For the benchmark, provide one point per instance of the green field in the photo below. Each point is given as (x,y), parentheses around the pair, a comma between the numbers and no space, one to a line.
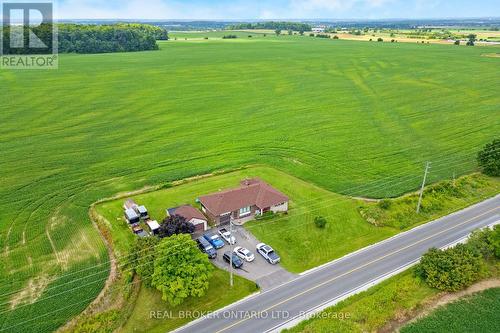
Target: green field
(354,118)
(476,313)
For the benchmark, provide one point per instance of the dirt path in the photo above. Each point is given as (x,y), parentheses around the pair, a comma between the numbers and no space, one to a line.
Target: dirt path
(438,301)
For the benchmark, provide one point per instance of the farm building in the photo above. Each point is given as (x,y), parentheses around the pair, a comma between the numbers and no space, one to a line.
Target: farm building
(143,212)
(241,204)
(153,227)
(131,216)
(129,204)
(191,215)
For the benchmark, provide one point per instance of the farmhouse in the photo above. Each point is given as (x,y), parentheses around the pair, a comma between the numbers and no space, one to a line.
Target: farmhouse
(191,215)
(253,197)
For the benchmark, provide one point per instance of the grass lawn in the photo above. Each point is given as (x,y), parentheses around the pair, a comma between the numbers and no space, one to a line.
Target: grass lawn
(438,200)
(299,242)
(354,118)
(476,313)
(167,318)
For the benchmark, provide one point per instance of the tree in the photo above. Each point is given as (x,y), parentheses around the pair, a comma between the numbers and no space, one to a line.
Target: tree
(290,32)
(452,269)
(301,32)
(457,42)
(277,32)
(472,40)
(181,270)
(489,158)
(320,222)
(143,256)
(174,225)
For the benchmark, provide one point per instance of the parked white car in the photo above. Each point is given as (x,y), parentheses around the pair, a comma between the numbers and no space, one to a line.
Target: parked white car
(227,236)
(244,254)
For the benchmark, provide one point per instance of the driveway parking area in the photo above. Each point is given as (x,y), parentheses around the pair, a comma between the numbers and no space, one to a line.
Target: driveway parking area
(267,276)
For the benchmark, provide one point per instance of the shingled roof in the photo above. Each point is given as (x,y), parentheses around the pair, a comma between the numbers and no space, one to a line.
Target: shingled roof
(251,192)
(188,212)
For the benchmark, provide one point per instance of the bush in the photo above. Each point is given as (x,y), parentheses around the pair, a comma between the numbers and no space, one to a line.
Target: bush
(335,37)
(457,42)
(489,158)
(266,216)
(229,37)
(452,269)
(380,40)
(320,222)
(385,204)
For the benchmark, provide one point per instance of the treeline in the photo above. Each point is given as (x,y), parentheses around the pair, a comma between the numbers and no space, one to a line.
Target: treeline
(78,38)
(272,25)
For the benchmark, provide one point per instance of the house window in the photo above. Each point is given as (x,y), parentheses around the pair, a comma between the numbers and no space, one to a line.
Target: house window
(245,211)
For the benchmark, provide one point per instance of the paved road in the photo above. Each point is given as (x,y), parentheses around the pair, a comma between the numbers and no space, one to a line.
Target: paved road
(281,307)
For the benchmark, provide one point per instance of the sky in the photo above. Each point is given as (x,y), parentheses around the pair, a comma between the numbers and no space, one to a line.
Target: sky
(275,9)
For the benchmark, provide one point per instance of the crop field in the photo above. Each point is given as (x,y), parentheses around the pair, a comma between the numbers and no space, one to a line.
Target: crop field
(354,118)
(475,313)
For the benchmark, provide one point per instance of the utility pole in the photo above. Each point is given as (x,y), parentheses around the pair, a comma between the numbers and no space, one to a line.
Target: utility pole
(427,167)
(231,255)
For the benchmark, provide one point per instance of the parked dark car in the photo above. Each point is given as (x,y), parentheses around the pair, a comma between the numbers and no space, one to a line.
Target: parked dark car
(206,247)
(237,262)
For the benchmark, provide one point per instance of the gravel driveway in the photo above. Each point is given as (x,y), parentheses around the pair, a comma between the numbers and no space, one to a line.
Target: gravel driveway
(267,276)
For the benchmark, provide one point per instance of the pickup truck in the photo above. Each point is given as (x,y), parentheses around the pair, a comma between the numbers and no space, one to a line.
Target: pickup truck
(268,253)
(227,236)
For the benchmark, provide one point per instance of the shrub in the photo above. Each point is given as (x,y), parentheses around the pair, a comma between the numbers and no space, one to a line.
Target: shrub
(452,269)
(489,158)
(457,42)
(266,216)
(320,222)
(380,39)
(229,37)
(385,204)
(335,37)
